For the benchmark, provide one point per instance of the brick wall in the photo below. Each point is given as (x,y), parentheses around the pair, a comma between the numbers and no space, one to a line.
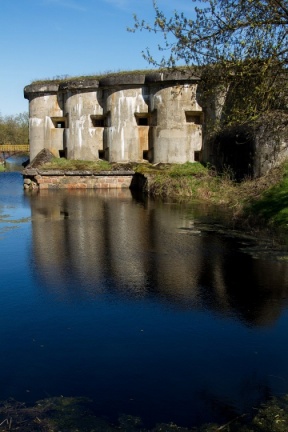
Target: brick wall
(74,180)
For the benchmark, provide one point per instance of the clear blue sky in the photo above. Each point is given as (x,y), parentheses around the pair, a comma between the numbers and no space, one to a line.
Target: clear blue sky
(46,38)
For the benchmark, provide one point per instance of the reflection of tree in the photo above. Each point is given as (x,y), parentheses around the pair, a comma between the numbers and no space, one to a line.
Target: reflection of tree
(253,289)
(98,241)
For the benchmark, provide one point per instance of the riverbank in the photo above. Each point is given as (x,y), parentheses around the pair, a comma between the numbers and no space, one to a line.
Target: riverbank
(254,203)
(77,414)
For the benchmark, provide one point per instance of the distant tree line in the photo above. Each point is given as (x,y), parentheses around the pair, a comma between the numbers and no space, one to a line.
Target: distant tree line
(14,129)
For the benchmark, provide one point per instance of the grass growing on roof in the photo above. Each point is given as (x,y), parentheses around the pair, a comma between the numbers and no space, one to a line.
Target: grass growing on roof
(76,165)
(66,78)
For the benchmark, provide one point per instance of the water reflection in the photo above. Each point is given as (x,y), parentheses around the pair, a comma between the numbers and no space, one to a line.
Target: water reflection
(94,242)
(129,303)
(16,162)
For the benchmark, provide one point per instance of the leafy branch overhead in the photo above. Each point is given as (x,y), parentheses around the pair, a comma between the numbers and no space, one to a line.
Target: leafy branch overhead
(238,42)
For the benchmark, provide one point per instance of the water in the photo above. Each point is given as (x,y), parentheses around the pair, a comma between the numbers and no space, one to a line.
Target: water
(133,304)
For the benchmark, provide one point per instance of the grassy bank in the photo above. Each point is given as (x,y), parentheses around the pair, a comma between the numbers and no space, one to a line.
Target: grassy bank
(261,202)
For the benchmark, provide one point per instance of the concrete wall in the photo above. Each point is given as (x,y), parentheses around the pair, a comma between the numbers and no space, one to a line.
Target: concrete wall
(120,118)
(125,139)
(44,105)
(82,139)
(175,139)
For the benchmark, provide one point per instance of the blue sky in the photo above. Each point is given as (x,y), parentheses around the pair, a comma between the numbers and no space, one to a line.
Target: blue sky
(47,38)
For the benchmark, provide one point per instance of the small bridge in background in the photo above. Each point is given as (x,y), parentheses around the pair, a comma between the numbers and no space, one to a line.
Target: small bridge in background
(7,150)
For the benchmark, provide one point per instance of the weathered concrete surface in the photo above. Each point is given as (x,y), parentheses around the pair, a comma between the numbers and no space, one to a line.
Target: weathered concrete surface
(41,158)
(174,139)
(123,140)
(249,150)
(81,139)
(121,118)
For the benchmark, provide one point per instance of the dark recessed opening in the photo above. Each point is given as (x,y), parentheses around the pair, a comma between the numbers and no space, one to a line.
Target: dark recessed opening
(101,154)
(142,119)
(145,154)
(98,120)
(62,154)
(194,117)
(59,122)
(197,156)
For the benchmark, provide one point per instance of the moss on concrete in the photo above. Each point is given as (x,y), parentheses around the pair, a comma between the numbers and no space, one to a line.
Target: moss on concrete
(117,74)
(66,78)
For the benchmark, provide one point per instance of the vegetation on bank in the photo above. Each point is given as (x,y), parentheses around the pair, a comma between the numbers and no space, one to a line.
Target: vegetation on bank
(261,202)
(76,415)
(258,202)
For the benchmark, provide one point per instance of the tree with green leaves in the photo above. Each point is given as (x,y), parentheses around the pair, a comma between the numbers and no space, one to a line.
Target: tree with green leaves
(14,129)
(238,45)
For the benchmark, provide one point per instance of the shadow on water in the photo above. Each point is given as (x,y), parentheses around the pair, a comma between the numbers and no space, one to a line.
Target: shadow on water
(16,162)
(132,303)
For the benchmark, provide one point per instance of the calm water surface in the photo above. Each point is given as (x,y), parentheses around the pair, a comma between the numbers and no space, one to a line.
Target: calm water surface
(130,303)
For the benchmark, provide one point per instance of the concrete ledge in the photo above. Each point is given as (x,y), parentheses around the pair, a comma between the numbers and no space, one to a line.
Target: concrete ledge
(83,84)
(49,173)
(32,89)
(30,172)
(174,76)
(125,79)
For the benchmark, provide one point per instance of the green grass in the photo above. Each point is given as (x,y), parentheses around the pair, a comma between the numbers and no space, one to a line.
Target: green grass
(194,169)
(98,76)
(76,165)
(255,203)
(189,180)
(2,167)
(272,205)
(66,78)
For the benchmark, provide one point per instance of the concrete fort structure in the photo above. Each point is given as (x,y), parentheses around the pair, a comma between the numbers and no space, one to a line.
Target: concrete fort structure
(120,118)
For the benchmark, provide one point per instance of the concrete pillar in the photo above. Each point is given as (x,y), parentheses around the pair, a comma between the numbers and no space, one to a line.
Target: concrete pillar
(82,106)
(177,133)
(124,97)
(44,105)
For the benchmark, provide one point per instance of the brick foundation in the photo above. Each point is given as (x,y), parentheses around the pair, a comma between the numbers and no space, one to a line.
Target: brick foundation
(43,180)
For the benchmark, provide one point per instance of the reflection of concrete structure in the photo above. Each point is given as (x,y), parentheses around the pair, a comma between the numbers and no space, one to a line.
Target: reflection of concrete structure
(112,243)
(126,117)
